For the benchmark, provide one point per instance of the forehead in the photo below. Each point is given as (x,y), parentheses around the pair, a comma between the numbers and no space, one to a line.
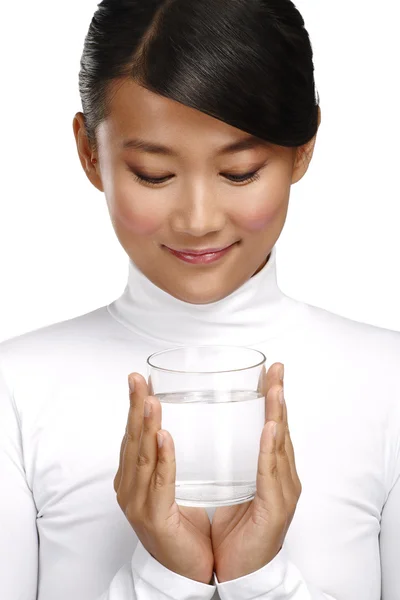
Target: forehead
(136,104)
(137,113)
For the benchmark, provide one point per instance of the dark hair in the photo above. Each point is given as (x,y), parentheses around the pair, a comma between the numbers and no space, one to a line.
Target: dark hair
(248,63)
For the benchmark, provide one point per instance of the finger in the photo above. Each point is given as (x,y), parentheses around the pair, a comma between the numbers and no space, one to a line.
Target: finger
(132,434)
(148,452)
(290,450)
(290,453)
(117,477)
(269,497)
(284,468)
(284,415)
(150,386)
(267,379)
(274,383)
(162,488)
(275,374)
(262,382)
(273,406)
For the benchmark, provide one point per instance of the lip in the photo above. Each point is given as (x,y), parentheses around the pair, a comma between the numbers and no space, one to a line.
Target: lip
(197,252)
(207,256)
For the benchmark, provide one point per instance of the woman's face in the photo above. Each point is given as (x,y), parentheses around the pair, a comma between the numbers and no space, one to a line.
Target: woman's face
(199,205)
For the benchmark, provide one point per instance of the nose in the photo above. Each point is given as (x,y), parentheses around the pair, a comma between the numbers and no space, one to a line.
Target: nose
(197,211)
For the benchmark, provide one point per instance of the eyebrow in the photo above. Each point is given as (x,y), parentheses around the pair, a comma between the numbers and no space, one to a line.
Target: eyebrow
(246,143)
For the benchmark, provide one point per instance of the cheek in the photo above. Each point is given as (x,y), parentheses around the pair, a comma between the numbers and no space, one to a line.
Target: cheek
(266,208)
(257,222)
(260,217)
(136,216)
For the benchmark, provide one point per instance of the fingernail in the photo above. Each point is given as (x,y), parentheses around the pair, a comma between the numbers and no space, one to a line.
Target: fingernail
(147,408)
(131,383)
(281,396)
(160,439)
(282,373)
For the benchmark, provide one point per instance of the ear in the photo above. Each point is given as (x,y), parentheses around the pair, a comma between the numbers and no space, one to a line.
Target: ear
(304,155)
(87,157)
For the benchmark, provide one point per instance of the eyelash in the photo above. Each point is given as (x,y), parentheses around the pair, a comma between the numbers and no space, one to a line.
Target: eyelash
(153,182)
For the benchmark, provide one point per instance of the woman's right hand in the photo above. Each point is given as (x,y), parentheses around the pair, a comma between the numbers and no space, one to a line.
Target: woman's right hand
(178,537)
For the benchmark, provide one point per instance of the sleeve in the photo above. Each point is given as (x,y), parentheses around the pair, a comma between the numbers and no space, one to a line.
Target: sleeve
(144,578)
(147,579)
(18,534)
(280,579)
(389,539)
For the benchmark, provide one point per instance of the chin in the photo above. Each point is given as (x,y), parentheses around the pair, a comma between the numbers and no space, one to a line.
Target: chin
(200,296)
(201,301)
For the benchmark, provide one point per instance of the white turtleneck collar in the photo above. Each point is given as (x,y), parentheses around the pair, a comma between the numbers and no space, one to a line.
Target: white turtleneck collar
(255,312)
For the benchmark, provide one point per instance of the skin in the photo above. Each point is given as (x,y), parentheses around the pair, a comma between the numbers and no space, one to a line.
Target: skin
(199,206)
(243,538)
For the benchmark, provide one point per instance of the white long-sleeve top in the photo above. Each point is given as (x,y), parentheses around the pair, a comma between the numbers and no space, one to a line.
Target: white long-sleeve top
(63,410)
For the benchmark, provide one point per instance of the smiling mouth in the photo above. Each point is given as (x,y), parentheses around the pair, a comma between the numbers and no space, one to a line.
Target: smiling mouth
(206,257)
(204,251)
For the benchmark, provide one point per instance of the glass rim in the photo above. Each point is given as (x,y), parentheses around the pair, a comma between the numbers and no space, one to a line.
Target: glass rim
(264,359)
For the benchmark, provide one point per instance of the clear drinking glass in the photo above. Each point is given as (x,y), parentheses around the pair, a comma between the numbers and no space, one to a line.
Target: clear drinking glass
(212,405)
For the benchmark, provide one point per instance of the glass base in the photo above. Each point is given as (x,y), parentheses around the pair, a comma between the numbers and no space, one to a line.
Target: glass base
(214,493)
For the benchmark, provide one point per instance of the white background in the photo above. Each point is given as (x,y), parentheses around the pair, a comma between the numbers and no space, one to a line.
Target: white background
(340,248)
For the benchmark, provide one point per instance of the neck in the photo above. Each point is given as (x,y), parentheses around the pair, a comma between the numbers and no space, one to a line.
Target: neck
(254,312)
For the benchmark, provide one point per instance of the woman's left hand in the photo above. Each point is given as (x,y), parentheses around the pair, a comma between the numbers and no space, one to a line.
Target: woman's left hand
(246,537)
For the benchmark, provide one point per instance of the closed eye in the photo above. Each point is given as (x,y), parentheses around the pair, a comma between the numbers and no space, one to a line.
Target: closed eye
(154,181)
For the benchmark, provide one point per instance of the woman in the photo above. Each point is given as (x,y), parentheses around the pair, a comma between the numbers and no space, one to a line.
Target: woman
(198,116)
